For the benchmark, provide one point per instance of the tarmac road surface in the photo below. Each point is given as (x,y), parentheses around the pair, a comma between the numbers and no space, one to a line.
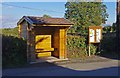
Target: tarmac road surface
(109,68)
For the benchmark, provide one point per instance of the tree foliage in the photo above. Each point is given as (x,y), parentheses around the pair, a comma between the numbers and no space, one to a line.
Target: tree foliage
(84,14)
(110,28)
(46,16)
(10,31)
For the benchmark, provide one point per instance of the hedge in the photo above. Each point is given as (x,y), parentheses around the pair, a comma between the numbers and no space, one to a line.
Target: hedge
(77,47)
(13,51)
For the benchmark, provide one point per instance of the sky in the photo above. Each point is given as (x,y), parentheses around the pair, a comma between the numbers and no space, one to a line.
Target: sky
(13,11)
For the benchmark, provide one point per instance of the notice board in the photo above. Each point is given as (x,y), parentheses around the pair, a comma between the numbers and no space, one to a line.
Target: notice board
(95,34)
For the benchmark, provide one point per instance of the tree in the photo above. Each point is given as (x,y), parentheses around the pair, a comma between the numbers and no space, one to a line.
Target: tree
(84,14)
(10,31)
(114,27)
(110,28)
(46,16)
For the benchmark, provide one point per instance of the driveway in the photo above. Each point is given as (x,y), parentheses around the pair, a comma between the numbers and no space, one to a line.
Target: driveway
(109,68)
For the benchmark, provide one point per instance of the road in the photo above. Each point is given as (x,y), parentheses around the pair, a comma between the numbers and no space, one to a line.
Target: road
(109,68)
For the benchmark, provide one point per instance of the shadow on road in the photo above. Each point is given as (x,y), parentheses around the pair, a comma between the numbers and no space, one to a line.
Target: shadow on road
(50,69)
(113,56)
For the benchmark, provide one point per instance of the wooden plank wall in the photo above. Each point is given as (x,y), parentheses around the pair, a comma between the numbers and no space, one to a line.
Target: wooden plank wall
(56,42)
(62,46)
(29,36)
(60,43)
(24,30)
(44,35)
(43,43)
(19,30)
(30,45)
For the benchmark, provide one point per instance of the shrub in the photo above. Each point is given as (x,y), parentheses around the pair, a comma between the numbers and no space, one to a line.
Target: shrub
(13,51)
(77,53)
(76,42)
(108,45)
(93,49)
(76,47)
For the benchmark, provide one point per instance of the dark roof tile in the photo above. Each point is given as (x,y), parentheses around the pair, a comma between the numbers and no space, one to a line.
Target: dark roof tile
(45,20)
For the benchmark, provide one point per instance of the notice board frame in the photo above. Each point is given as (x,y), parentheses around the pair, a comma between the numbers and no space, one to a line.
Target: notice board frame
(94,28)
(94,34)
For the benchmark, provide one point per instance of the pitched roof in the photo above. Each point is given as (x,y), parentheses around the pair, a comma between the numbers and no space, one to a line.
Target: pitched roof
(48,21)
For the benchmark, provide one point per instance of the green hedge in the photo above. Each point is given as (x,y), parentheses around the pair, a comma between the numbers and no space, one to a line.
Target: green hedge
(76,42)
(108,45)
(77,47)
(13,51)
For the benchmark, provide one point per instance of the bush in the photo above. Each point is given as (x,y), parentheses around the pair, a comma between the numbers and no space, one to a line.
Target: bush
(76,47)
(108,45)
(13,51)
(77,53)
(76,42)
(93,49)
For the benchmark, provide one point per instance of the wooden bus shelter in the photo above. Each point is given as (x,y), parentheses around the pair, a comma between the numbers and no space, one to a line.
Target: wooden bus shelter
(45,36)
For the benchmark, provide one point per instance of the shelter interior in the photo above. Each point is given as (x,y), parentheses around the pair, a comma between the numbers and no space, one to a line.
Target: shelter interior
(47,41)
(45,36)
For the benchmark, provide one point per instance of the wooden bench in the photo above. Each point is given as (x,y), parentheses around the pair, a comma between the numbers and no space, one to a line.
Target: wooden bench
(45,51)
